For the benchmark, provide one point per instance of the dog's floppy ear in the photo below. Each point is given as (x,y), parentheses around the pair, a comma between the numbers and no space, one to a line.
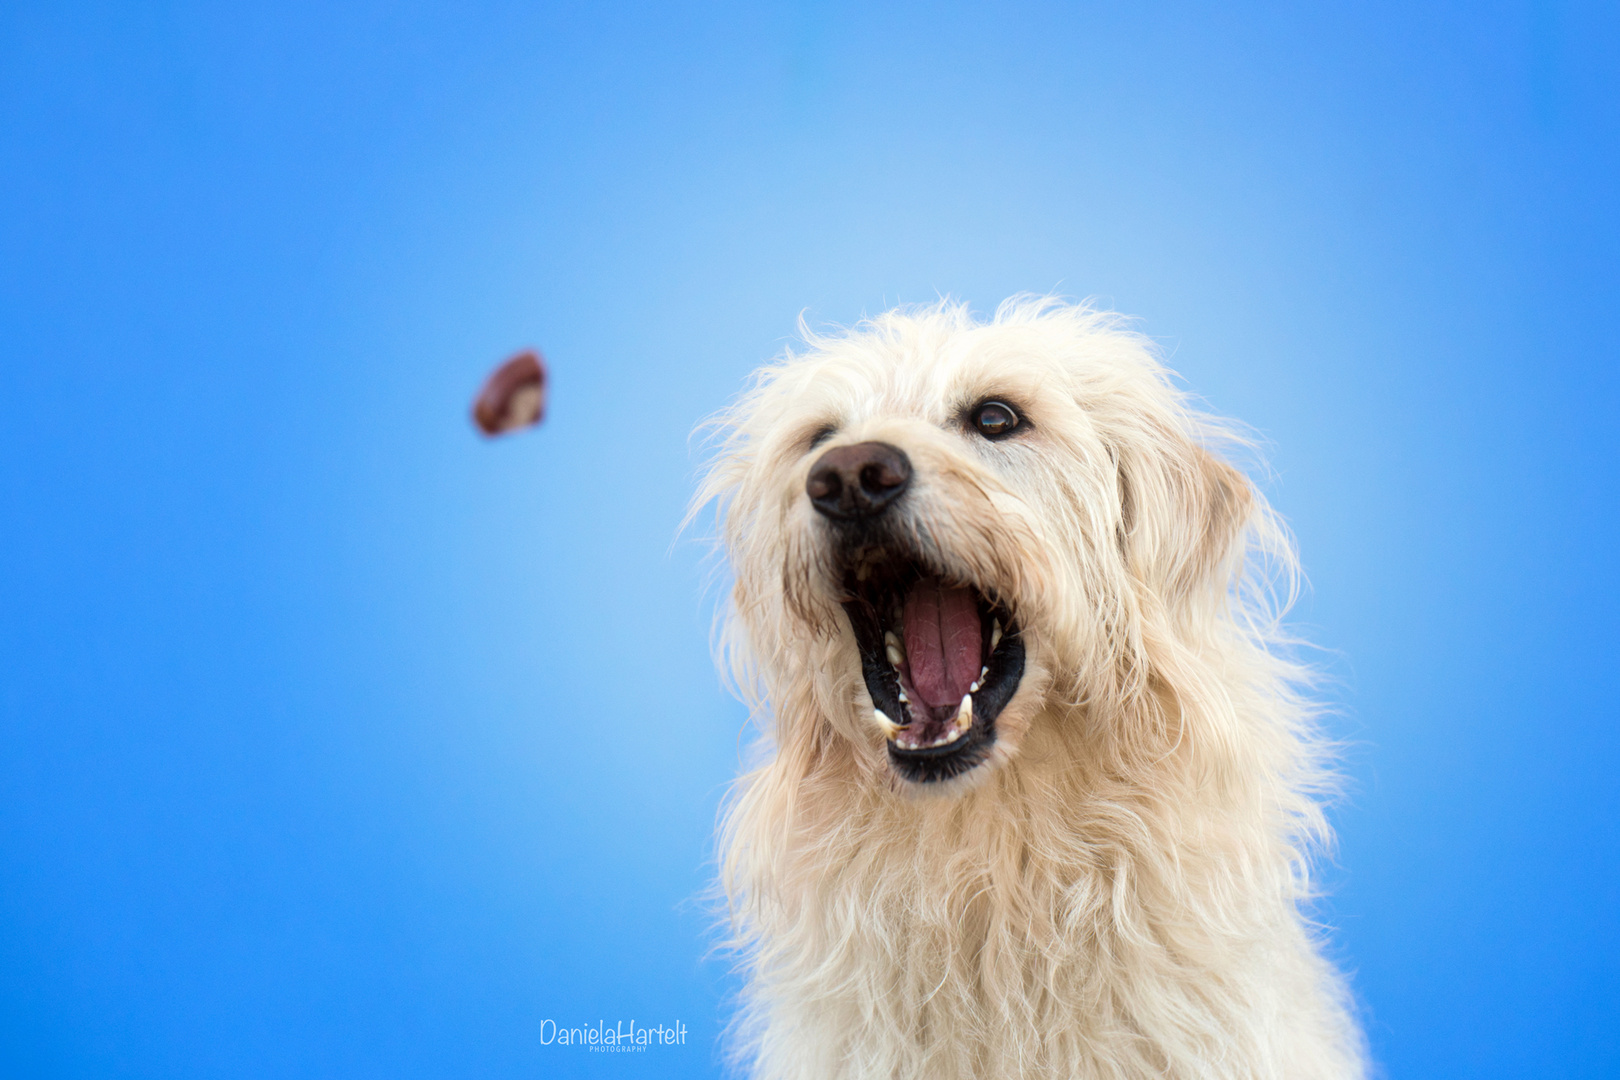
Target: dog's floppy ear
(1182,518)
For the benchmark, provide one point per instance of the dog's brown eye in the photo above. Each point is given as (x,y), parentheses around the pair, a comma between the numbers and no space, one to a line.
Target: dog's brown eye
(994,419)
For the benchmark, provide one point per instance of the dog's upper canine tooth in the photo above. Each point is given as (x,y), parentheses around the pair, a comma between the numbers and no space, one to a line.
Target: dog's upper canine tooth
(890,728)
(894,655)
(964,713)
(892,646)
(995,634)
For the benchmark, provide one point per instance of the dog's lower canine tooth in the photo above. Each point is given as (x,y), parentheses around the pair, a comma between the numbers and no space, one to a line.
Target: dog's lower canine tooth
(890,728)
(964,713)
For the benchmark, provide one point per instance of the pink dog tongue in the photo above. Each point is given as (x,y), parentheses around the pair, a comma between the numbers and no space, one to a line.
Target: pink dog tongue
(942,641)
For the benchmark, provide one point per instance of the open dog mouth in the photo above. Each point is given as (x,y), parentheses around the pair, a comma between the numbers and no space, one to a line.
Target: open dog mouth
(941,660)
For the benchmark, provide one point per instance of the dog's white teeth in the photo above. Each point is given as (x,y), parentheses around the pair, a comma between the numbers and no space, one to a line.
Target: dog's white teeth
(995,634)
(890,728)
(903,699)
(973,688)
(964,714)
(893,646)
(895,657)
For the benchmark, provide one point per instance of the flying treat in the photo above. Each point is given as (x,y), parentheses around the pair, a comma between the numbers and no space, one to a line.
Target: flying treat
(514,395)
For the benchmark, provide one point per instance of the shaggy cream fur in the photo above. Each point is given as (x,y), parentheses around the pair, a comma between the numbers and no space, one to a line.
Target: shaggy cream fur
(1115,889)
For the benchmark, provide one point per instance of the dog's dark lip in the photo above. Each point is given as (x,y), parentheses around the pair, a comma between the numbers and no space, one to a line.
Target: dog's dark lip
(874,585)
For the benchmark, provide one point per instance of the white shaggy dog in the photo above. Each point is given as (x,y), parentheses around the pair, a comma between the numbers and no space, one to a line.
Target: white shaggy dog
(1039,787)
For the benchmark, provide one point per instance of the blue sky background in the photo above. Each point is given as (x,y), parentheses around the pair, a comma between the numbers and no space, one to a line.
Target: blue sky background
(336,742)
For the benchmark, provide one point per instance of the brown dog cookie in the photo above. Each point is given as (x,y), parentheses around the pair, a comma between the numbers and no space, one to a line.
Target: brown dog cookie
(513,397)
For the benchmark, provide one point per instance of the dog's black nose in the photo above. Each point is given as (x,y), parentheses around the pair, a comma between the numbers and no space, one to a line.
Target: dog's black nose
(852,482)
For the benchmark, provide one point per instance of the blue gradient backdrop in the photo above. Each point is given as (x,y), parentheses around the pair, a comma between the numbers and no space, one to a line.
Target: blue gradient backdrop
(335,742)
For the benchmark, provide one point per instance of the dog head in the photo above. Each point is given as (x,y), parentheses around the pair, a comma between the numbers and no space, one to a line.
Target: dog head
(945,533)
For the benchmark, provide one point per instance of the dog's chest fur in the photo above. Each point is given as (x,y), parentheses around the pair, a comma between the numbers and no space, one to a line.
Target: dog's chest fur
(1053,923)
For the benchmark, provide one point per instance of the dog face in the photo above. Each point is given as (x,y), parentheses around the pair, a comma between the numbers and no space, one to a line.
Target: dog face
(947,533)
